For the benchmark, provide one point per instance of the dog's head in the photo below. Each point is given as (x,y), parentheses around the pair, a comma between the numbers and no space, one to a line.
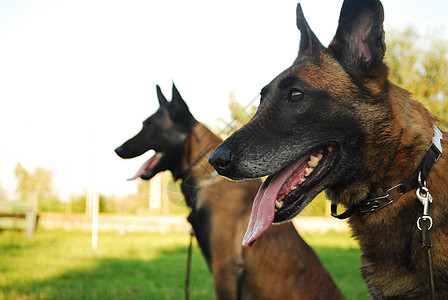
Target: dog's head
(307,133)
(165,132)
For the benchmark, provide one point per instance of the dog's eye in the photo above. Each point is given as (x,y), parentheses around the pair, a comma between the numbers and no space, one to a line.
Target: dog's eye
(295,96)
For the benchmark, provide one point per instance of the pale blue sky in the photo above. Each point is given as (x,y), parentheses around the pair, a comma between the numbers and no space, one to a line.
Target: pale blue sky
(78,77)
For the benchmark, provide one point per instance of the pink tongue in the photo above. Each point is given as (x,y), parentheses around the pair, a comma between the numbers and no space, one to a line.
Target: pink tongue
(146,166)
(264,204)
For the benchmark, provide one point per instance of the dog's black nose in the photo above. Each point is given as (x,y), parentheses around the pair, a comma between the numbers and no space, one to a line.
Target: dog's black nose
(119,151)
(220,158)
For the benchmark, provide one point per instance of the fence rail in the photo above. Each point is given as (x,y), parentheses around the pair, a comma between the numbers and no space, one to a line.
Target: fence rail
(131,223)
(18,216)
(111,222)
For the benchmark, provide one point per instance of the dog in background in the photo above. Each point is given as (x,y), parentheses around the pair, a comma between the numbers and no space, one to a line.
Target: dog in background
(280,266)
(332,121)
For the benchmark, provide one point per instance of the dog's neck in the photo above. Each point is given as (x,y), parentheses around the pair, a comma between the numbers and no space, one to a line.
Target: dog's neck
(199,146)
(401,142)
(393,258)
(415,130)
(412,133)
(389,237)
(195,167)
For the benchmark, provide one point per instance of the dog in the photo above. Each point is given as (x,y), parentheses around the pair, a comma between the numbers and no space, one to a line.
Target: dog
(281,266)
(332,121)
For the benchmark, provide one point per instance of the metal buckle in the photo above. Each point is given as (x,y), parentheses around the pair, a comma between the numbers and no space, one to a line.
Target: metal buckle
(374,204)
(394,193)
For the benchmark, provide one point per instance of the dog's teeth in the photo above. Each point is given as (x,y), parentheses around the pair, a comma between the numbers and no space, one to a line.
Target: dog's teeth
(278,204)
(302,180)
(314,160)
(308,171)
(293,188)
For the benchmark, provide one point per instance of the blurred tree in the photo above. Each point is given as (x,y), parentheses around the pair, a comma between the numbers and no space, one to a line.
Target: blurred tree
(51,204)
(106,204)
(134,203)
(172,201)
(25,183)
(127,204)
(240,115)
(37,184)
(419,64)
(78,203)
(3,194)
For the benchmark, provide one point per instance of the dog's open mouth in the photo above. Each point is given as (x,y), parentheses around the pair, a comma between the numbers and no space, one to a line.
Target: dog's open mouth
(146,171)
(284,194)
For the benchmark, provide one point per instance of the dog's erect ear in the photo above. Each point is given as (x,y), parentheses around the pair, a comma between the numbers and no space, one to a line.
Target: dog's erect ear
(160,96)
(177,98)
(359,40)
(179,111)
(309,43)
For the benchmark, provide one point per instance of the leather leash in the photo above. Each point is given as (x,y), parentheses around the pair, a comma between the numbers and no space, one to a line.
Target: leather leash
(424,224)
(187,275)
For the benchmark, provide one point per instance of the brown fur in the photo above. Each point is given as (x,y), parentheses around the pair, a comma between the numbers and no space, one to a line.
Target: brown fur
(393,259)
(280,265)
(383,135)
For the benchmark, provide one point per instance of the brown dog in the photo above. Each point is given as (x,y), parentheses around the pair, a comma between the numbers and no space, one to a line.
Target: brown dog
(280,266)
(333,121)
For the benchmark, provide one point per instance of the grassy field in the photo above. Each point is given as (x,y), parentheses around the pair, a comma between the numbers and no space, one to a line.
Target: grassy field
(61,265)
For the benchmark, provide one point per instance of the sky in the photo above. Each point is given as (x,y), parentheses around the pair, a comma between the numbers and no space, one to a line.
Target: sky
(77,78)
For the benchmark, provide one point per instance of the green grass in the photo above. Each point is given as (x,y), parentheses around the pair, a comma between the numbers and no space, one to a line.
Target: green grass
(61,265)
(341,256)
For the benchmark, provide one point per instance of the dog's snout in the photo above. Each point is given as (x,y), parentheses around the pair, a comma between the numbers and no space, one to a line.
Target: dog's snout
(220,158)
(119,151)
(125,152)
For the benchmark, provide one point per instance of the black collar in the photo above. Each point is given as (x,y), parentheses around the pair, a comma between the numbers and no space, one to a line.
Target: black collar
(394,193)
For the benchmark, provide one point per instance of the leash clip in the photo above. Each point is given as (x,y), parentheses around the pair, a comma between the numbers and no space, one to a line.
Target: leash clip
(425,198)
